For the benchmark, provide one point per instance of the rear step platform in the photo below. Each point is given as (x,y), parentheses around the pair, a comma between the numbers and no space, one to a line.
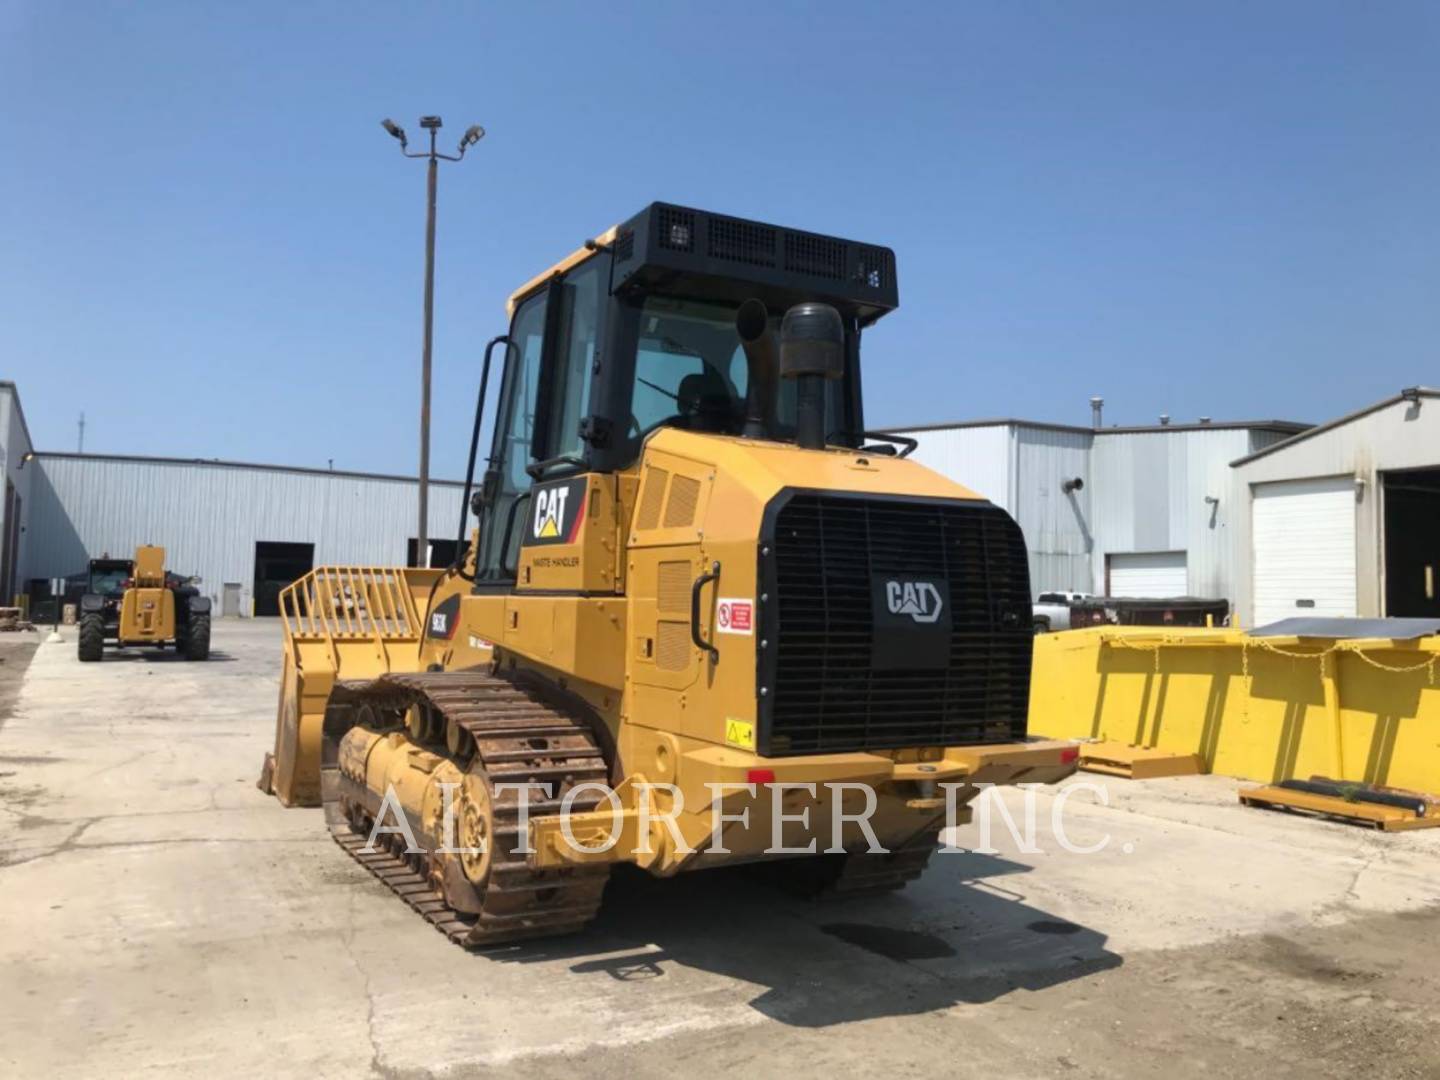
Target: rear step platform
(1372,815)
(1137,762)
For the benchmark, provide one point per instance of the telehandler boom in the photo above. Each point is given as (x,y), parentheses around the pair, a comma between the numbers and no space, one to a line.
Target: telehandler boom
(704,618)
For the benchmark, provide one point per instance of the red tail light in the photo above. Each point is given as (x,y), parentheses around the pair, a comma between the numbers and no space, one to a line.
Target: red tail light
(760,776)
(1069,754)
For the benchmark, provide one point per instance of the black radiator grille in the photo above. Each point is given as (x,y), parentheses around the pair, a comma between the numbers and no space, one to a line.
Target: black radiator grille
(824,691)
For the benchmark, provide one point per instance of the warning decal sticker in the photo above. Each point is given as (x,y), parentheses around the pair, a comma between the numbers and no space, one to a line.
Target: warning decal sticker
(735,616)
(739,733)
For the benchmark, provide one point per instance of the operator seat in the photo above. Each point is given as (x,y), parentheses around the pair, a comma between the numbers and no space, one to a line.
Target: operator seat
(705,401)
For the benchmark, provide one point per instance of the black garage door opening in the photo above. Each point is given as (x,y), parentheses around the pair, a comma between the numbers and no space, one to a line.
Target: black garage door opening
(442,552)
(1412,543)
(276,566)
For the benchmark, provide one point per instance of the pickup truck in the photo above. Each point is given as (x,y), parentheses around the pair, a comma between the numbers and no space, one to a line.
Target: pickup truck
(1051,610)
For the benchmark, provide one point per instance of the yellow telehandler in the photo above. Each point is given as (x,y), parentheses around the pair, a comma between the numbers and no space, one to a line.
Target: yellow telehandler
(136,602)
(705,616)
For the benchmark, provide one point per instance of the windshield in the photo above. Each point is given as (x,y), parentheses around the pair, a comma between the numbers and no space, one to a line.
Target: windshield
(690,372)
(108,582)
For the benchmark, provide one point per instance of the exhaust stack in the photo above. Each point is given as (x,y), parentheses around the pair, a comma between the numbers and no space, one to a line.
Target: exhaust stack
(752,323)
(812,352)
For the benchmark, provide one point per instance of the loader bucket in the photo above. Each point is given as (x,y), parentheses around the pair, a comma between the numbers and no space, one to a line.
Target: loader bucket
(340,622)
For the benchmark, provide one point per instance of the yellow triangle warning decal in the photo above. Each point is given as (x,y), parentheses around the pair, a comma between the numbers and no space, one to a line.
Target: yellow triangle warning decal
(548,527)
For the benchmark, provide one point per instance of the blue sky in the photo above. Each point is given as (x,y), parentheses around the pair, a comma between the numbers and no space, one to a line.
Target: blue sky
(211,248)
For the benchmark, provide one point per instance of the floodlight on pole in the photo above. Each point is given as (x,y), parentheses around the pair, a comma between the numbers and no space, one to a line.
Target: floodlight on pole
(472,135)
(396,131)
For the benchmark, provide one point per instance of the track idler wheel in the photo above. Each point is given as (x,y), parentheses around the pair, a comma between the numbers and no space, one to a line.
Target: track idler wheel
(462,873)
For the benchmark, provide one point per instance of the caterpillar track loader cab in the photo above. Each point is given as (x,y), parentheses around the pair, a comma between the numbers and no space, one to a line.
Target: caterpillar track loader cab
(705,617)
(136,602)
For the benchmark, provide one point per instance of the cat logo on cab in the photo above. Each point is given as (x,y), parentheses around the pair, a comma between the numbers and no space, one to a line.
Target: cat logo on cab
(558,511)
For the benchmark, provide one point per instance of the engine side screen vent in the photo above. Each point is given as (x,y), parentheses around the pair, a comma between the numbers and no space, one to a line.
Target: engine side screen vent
(672,586)
(684,497)
(652,498)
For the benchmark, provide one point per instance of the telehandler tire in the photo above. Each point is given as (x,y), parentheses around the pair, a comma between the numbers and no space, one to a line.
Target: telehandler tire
(92,637)
(197,638)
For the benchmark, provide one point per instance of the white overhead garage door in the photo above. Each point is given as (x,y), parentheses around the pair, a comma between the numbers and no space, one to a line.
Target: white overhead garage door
(1304,548)
(1147,573)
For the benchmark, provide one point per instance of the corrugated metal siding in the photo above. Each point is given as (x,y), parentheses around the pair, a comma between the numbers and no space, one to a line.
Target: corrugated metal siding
(1149,496)
(1259,440)
(14,445)
(979,458)
(1021,468)
(209,517)
(1144,492)
(1057,525)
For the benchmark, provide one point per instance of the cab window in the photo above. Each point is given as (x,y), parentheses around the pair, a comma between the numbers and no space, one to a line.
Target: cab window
(569,309)
(691,372)
(689,368)
(578,295)
(515,436)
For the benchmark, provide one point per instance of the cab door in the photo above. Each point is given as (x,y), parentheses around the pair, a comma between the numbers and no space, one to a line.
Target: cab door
(544,398)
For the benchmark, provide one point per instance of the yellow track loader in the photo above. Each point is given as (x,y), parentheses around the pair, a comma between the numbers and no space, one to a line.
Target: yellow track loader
(705,617)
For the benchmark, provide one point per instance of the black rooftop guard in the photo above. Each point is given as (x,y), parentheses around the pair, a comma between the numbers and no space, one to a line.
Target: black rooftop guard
(664,244)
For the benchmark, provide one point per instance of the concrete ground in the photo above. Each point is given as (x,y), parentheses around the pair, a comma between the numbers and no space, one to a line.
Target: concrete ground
(159,916)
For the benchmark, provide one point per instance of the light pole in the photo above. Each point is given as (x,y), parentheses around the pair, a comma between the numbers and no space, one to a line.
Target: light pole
(473,135)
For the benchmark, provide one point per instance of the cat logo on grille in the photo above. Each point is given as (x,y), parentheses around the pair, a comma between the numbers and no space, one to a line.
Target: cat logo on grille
(918,599)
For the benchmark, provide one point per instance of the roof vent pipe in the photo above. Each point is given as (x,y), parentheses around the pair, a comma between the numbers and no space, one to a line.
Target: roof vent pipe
(1097,406)
(1204,419)
(1164,419)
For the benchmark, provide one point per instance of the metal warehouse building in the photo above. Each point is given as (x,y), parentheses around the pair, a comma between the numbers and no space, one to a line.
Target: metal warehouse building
(245,530)
(1123,511)
(15,447)
(1344,519)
